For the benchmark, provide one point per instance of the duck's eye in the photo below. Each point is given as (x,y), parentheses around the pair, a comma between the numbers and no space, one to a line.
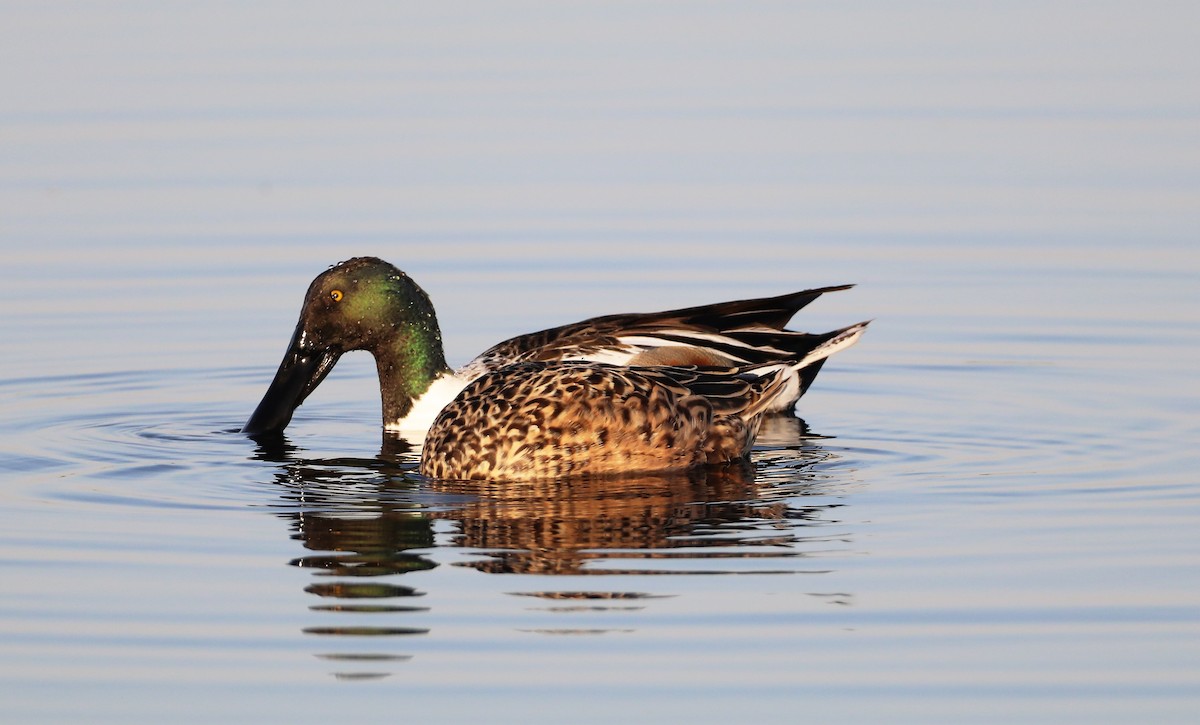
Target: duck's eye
(336,295)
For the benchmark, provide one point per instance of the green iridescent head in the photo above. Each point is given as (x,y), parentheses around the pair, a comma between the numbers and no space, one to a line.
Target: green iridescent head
(361,304)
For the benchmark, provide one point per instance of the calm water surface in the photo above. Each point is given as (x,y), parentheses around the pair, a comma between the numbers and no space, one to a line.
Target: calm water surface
(985,512)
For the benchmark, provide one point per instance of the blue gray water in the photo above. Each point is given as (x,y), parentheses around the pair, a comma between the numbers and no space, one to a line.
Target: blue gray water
(985,512)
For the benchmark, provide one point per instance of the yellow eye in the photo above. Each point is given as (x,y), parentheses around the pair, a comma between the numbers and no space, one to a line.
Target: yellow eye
(336,295)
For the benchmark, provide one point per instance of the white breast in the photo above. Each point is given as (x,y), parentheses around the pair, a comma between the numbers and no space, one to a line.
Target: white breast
(425,409)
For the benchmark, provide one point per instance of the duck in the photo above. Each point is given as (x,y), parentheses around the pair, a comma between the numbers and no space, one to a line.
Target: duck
(733,359)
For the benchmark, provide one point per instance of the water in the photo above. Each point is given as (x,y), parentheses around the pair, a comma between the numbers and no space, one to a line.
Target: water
(987,513)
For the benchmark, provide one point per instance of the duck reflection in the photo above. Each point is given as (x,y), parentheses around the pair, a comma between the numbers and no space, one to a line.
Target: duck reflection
(370,522)
(562,528)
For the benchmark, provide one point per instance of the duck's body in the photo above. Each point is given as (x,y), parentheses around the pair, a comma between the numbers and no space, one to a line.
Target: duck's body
(535,420)
(366,303)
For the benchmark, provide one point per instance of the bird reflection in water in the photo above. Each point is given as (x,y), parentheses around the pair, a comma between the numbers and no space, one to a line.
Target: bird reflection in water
(369,522)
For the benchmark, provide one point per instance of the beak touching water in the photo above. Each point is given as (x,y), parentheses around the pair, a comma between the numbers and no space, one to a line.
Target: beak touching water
(303,368)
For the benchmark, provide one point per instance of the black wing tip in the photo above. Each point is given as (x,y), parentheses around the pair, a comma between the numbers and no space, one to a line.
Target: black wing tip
(803,297)
(834,288)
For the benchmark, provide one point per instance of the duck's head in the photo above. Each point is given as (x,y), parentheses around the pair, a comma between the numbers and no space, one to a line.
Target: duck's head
(361,304)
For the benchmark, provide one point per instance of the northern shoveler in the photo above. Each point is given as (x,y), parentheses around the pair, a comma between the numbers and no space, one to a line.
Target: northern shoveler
(550,395)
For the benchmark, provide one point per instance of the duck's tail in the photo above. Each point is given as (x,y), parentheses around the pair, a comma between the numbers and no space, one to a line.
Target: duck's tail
(808,367)
(801,354)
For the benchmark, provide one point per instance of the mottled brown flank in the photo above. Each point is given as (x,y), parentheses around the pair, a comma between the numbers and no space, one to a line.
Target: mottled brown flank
(550,420)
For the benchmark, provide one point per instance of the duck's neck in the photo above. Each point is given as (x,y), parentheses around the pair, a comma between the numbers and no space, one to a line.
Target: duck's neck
(408,362)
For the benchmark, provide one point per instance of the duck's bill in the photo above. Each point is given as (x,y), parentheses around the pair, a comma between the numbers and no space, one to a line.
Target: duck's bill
(301,371)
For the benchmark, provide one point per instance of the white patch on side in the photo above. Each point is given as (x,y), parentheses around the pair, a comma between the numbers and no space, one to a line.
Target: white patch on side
(425,409)
(791,391)
(791,387)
